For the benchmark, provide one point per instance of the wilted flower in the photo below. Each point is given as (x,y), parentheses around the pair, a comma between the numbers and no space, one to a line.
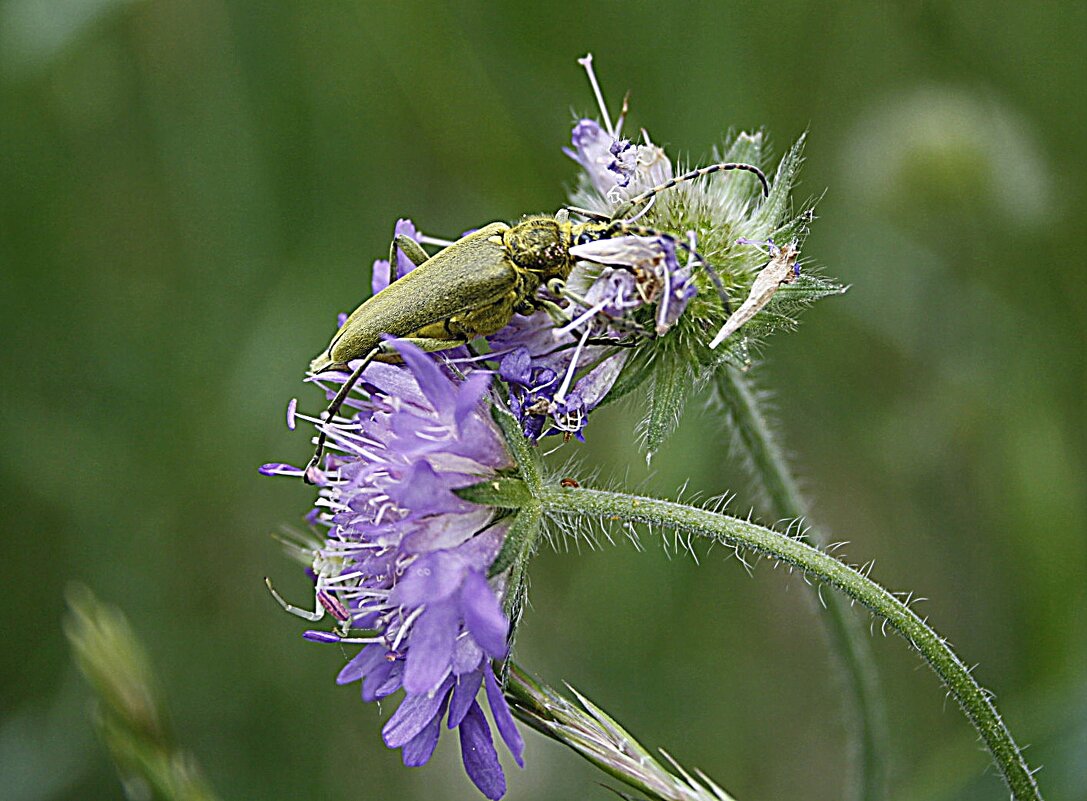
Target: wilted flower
(405,560)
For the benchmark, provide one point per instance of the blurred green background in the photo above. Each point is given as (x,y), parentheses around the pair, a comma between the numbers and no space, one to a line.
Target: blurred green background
(192,190)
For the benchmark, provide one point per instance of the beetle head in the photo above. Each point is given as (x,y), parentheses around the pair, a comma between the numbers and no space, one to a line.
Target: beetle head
(541,245)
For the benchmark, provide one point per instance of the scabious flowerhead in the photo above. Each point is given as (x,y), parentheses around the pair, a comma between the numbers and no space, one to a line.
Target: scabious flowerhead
(404,564)
(684,300)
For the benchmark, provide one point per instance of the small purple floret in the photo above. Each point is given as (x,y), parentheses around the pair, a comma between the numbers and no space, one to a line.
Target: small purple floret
(617,168)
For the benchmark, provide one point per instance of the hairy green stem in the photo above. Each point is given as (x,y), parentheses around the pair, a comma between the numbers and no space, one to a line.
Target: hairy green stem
(976,702)
(782,500)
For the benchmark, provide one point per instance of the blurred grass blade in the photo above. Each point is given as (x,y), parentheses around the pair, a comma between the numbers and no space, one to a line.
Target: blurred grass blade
(130,716)
(595,735)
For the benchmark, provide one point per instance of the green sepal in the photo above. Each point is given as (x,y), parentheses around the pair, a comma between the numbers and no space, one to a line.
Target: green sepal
(520,540)
(776,207)
(516,553)
(504,492)
(672,381)
(528,459)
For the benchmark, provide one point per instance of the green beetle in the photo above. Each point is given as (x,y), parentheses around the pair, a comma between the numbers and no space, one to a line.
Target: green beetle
(474,286)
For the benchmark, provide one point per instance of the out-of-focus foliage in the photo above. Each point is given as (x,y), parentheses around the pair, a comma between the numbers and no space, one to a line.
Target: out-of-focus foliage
(193,189)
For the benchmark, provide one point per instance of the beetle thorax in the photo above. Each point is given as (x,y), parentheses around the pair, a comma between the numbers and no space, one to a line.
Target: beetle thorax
(541,245)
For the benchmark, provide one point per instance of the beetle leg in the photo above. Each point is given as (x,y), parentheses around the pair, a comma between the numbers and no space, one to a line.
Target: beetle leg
(410,248)
(554,311)
(337,402)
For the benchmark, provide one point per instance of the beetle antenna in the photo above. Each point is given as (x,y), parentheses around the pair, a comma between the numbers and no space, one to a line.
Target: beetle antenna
(693,174)
(644,211)
(329,413)
(589,214)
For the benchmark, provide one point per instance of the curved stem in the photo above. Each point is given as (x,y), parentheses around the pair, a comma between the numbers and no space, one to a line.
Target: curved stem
(782,500)
(976,702)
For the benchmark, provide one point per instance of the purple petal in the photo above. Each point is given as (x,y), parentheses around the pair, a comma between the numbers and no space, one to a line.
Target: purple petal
(516,367)
(279,469)
(383,681)
(593,387)
(430,578)
(380,276)
(430,651)
(503,718)
(418,750)
(483,614)
(465,690)
(404,265)
(480,551)
(620,251)
(364,662)
(393,380)
(321,636)
(466,656)
(470,393)
(425,492)
(445,532)
(434,384)
(414,714)
(480,758)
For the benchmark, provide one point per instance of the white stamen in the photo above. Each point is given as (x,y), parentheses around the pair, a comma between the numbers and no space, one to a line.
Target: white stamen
(622,116)
(561,394)
(381,513)
(331,505)
(566,329)
(544,385)
(369,593)
(405,626)
(425,435)
(433,240)
(587,63)
(662,307)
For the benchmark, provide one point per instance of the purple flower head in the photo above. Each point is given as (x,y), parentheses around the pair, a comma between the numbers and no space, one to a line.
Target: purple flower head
(405,561)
